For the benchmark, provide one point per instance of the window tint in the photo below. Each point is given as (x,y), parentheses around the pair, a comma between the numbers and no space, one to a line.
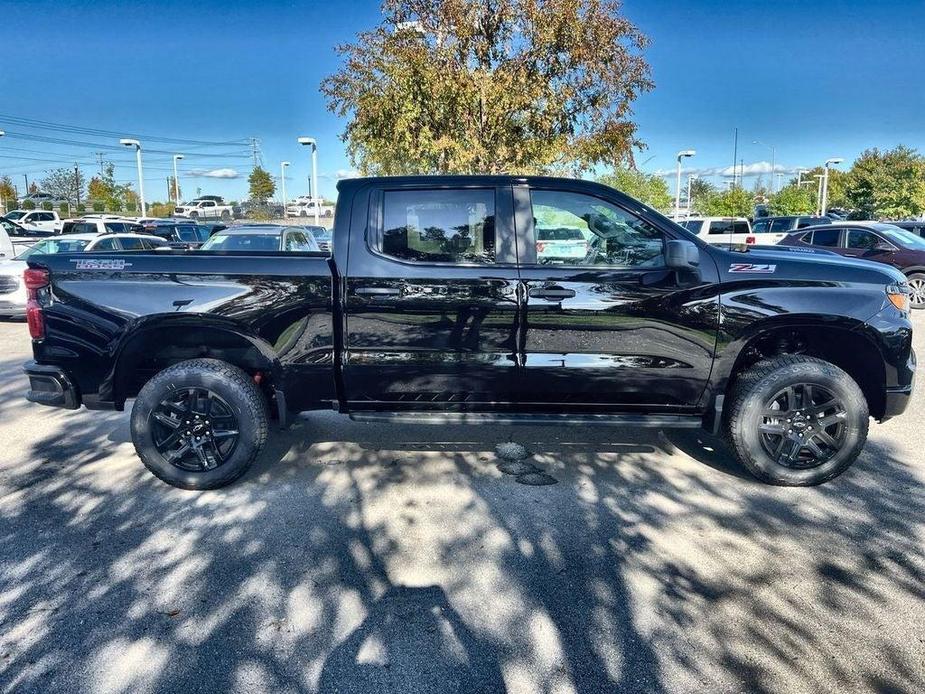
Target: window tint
(761,226)
(186,232)
(606,234)
(443,226)
(130,244)
(779,226)
(695,226)
(825,237)
(296,241)
(105,245)
(724,226)
(114,227)
(242,242)
(804,222)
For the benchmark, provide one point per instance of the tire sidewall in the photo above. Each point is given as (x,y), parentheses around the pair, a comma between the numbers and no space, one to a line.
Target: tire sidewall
(747,438)
(917,276)
(248,422)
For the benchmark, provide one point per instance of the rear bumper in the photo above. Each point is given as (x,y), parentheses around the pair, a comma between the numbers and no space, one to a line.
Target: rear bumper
(49,385)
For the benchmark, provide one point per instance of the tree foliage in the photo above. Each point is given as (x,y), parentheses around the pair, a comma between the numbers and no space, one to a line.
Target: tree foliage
(888,184)
(8,192)
(647,188)
(701,190)
(792,199)
(66,183)
(261,185)
(491,86)
(735,202)
(104,189)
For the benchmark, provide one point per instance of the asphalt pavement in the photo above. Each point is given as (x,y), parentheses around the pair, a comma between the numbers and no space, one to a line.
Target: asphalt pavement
(375,558)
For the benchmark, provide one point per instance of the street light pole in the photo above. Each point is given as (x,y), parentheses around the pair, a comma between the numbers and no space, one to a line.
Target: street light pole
(773,159)
(282,181)
(176,181)
(825,182)
(677,195)
(818,178)
(314,146)
(689,178)
(800,173)
(141,179)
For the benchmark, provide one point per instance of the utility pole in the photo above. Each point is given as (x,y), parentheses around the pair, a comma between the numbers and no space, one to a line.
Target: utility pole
(99,158)
(27,183)
(255,147)
(735,154)
(77,182)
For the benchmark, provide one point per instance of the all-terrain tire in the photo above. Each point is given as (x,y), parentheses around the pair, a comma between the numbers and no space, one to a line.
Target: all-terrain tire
(230,383)
(751,393)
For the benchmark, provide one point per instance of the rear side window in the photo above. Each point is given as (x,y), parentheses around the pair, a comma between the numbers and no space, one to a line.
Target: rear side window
(825,237)
(107,244)
(723,226)
(443,226)
(130,244)
(761,227)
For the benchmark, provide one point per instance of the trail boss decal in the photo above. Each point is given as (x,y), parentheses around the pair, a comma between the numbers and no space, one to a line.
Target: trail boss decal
(100,264)
(753,269)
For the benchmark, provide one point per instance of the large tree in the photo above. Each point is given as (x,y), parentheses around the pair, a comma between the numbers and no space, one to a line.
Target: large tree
(647,188)
(261,184)
(792,199)
(66,183)
(887,184)
(735,202)
(7,193)
(104,189)
(491,86)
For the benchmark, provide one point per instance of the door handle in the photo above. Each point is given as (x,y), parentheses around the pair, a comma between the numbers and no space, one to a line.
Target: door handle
(377,291)
(553,293)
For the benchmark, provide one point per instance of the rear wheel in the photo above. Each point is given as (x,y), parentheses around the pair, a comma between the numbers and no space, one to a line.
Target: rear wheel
(797,421)
(226,216)
(199,424)
(917,285)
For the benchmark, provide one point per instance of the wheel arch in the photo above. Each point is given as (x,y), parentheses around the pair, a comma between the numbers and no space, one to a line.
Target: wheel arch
(158,342)
(840,343)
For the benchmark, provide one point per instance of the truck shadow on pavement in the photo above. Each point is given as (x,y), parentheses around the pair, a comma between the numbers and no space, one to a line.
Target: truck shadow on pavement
(358,558)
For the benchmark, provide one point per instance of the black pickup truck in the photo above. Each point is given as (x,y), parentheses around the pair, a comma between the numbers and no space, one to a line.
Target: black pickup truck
(478,299)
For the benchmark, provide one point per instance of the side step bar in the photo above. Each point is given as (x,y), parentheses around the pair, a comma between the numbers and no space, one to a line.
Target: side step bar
(668,421)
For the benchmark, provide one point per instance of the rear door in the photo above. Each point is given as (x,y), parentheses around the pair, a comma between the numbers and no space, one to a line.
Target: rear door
(616,328)
(431,295)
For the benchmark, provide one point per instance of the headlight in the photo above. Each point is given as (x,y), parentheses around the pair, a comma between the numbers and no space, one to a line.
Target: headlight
(899,294)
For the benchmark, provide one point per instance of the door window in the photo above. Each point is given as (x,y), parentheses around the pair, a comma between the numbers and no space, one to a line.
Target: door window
(108,244)
(826,237)
(130,244)
(860,239)
(443,226)
(296,241)
(577,229)
(780,226)
(762,226)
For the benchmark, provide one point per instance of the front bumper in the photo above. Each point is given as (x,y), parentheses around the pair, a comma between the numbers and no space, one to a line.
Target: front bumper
(49,385)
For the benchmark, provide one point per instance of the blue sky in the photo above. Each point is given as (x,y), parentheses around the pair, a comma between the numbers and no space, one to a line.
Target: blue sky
(815,79)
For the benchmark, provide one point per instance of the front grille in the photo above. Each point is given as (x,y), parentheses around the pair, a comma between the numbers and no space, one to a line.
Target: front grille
(8,284)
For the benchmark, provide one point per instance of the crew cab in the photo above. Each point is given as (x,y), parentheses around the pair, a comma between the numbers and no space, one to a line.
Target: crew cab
(437,306)
(205,207)
(305,206)
(36,222)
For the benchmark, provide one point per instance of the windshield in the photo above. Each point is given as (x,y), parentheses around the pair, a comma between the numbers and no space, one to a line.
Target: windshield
(54,246)
(242,242)
(18,214)
(904,238)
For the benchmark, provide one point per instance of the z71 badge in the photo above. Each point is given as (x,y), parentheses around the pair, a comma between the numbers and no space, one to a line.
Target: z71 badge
(100,263)
(752,268)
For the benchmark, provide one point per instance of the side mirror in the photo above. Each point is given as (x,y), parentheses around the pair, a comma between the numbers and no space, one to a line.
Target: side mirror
(681,254)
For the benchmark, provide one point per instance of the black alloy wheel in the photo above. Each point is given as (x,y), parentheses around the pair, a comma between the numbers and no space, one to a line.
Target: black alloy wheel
(803,426)
(194,429)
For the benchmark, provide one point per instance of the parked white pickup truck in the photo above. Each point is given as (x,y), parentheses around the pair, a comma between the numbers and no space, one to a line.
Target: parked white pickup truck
(206,207)
(304,206)
(40,222)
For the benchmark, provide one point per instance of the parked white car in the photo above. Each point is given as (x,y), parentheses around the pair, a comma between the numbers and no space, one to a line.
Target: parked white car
(100,225)
(209,207)
(37,221)
(304,206)
(735,230)
(12,289)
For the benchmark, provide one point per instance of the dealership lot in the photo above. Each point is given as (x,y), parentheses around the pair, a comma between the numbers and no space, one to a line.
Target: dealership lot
(358,557)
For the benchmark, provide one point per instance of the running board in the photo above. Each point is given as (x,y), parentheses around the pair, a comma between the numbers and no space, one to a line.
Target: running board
(668,421)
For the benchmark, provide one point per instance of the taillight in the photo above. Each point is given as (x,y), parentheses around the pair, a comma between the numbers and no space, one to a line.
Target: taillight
(35,279)
(540,246)
(750,239)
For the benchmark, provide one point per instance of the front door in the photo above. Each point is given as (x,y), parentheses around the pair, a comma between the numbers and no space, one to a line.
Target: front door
(606,323)
(431,294)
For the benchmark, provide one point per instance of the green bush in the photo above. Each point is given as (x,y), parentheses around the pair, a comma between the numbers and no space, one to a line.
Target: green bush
(81,208)
(131,207)
(28,205)
(64,208)
(115,207)
(47,206)
(98,206)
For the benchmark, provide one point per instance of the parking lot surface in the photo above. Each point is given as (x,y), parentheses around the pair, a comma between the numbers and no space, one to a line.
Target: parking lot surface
(366,558)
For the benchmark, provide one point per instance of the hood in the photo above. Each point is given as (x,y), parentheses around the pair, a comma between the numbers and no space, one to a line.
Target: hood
(794,262)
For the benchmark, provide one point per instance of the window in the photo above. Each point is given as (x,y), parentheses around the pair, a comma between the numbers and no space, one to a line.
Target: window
(728,226)
(242,242)
(184,232)
(804,222)
(297,241)
(695,226)
(151,244)
(130,244)
(442,226)
(105,245)
(577,229)
(861,240)
(825,237)
(115,227)
(762,226)
(780,226)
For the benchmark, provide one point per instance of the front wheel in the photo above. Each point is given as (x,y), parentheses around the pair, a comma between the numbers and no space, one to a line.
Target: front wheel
(797,421)
(917,286)
(226,216)
(199,424)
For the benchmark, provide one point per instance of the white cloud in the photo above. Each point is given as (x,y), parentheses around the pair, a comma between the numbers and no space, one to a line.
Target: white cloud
(214,173)
(757,168)
(339,174)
